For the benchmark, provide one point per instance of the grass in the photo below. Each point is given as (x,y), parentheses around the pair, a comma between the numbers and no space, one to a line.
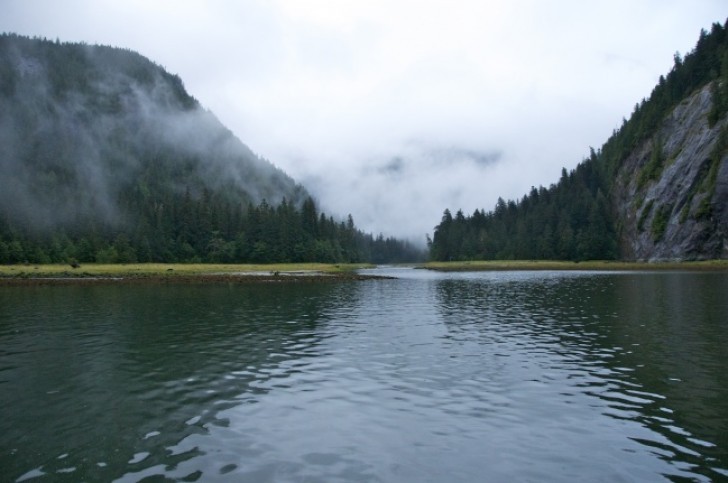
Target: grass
(605,265)
(227,272)
(171,270)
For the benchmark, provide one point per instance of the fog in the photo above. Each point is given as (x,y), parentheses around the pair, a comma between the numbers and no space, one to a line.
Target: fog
(74,145)
(395,110)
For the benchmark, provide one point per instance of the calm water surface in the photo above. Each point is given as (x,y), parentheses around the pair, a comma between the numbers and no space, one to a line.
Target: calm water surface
(510,376)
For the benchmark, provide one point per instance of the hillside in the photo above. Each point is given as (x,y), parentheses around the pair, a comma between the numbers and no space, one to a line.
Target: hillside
(86,126)
(106,157)
(656,190)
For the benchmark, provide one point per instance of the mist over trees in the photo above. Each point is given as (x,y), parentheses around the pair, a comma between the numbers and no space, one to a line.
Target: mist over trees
(575,218)
(208,229)
(106,158)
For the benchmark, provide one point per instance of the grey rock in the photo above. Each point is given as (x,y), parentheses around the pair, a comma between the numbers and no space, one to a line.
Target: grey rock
(679,215)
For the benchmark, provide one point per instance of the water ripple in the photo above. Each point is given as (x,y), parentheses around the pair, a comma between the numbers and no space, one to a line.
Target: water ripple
(432,377)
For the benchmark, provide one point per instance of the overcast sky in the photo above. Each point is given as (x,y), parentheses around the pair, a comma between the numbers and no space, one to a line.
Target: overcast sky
(394,110)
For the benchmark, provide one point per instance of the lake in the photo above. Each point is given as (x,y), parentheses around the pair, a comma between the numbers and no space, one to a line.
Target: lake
(461,377)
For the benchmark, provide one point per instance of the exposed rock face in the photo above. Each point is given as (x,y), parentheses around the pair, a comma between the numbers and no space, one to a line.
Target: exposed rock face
(671,193)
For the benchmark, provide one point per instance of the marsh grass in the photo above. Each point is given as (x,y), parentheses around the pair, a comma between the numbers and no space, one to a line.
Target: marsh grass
(172,271)
(565,265)
(164,270)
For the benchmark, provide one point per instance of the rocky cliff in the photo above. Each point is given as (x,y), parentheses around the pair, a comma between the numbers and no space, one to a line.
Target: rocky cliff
(671,192)
(656,190)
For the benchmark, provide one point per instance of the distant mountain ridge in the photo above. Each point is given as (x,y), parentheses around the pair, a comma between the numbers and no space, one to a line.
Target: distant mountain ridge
(656,190)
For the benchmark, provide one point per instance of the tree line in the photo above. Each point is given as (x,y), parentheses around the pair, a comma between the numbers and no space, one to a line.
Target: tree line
(208,229)
(569,221)
(575,218)
(106,158)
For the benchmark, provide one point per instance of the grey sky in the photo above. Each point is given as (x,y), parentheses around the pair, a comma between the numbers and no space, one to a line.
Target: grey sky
(395,110)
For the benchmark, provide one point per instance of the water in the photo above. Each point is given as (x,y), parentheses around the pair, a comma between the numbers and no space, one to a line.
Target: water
(507,376)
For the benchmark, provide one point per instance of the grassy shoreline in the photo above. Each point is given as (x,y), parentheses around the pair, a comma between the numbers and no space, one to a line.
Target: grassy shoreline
(179,272)
(298,272)
(597,265)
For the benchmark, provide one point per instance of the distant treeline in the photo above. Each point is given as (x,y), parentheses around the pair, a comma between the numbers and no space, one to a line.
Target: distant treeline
(105,157)
(575,218)
(207,229)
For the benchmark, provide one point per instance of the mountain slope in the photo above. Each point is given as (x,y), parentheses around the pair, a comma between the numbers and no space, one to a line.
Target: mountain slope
(83,128)
(656,190)
(104,157)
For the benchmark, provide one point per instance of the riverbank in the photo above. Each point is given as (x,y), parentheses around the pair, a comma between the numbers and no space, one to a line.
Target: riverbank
(503,265)
(179,273)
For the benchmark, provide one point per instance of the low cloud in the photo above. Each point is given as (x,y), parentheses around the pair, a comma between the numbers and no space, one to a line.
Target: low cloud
(395,110)
(405,192)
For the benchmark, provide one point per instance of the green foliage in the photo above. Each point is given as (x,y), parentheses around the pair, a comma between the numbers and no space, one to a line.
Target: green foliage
(708,62)
(653,168)
(707,179)
(211,230)
(107,255)
(106,158)
(704,210)
(716,156)
(573,219)
(659,222)
(569,221)
(646,211)
(256,234)
(684,212)
(720,93)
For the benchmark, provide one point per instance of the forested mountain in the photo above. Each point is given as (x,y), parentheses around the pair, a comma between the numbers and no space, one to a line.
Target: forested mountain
(656,190)
(104,156)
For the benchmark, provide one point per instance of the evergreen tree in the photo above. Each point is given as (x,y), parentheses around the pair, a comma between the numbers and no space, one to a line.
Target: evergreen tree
(573,219)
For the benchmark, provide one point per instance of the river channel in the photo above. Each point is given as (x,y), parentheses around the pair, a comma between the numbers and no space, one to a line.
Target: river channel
(460,377)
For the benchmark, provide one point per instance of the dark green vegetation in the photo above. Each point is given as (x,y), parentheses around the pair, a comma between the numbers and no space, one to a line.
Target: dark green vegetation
(106,158)
(578,218)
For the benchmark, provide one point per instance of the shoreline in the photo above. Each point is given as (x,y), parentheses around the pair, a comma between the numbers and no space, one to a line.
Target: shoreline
(593,265)
(185,279)
(94,274)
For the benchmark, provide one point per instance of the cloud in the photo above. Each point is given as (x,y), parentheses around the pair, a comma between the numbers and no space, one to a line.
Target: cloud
(395,191)
(361,101)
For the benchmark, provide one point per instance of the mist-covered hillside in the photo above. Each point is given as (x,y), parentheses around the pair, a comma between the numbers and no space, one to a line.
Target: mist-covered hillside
(104,156)
(83,128)
(656,190)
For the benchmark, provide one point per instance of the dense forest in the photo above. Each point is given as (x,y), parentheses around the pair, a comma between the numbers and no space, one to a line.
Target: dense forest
(207,229)
(575,218)
(568,221)
(106,158)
